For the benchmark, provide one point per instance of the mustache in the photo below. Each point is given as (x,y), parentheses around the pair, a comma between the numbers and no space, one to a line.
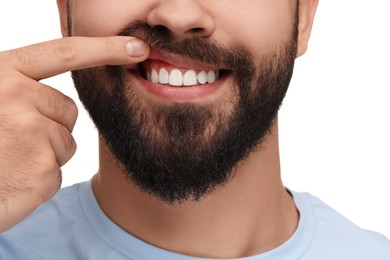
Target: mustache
(199,49)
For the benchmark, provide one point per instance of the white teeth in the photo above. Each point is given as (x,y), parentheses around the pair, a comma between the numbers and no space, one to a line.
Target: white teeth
(154,76)
(163,76)
(190,78)
(211,77)
(177,79)
(202,77)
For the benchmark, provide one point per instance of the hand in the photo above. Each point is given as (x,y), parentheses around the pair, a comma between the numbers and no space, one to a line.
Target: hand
(36,120)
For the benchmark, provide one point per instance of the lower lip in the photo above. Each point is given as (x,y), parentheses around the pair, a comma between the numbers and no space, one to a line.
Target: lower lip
(180,94)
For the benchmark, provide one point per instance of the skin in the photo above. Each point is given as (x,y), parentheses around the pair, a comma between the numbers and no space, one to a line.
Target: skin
(36,120)
(251,214)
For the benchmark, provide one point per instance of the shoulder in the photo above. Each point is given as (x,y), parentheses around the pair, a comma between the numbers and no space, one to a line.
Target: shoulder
(47,227)
(336,237)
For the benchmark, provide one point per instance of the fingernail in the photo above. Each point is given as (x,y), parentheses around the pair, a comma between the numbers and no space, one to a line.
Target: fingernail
(135,48)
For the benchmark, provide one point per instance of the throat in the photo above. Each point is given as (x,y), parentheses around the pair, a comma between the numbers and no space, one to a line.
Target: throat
(223,225)
(251,214)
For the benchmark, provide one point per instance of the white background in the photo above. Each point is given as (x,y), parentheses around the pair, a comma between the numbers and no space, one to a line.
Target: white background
(335,121)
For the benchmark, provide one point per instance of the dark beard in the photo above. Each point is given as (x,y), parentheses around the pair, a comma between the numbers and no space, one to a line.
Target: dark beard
(184,151)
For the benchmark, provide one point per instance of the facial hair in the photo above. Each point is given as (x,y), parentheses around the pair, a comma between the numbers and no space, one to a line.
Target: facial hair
(184,151)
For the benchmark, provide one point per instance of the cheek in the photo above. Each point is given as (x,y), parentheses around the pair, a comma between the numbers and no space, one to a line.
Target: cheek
(257,27)
(96,18)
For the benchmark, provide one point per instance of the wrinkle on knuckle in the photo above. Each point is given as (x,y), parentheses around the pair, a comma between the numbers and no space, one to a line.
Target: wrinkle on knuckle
(64,50)
(110,49)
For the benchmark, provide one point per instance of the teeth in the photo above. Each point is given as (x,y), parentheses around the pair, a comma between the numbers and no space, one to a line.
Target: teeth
(202,77)
(190,78)
(211,77)
(164,76)
(177,79)
(155,78)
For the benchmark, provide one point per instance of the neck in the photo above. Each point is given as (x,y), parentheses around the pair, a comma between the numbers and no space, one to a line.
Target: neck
(251,214)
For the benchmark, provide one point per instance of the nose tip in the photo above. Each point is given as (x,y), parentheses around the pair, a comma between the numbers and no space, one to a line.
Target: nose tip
(182,19)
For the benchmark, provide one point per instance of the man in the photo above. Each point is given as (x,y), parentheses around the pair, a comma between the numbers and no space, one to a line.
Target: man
(189,163)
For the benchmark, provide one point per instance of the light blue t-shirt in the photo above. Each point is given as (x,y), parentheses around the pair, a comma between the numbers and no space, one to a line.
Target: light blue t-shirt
(72,226)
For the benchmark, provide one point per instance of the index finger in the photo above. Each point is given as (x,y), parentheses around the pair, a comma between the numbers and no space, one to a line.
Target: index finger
(44,60)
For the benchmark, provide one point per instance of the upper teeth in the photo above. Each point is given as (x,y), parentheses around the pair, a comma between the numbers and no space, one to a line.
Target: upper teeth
(177,78)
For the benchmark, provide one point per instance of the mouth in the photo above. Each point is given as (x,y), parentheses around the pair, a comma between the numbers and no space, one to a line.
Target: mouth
(179,79)
(158,72)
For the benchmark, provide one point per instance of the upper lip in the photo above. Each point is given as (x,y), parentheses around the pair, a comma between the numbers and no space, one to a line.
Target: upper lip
(180,61)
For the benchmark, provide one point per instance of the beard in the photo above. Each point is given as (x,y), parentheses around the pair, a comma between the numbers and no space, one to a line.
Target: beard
(182,151)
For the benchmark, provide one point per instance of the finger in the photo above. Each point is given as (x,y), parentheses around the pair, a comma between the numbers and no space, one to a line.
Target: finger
(51,58)
(20,91)
(62,142)
(55,105)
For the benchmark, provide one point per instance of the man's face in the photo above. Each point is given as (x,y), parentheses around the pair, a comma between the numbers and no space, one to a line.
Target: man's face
(179,123)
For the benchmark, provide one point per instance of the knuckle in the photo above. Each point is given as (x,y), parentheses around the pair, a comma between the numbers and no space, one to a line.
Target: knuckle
(4,69)
(11,88)
(71,108)
(67,140)
(48,162)
(30,123)
(53,98)
(53,180)
(63,106)
(43,174)
(110,48)
(68,111)
(71,146)
(64,50)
